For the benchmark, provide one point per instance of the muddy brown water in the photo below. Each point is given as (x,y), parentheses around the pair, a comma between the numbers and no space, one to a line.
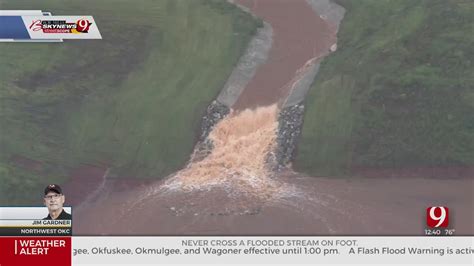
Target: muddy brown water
(299,35)
(311,206)
(252,201)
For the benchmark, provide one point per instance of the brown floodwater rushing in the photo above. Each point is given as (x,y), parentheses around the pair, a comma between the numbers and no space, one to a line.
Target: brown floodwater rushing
(300,37)
(242,142)
(303,206)
(233,191)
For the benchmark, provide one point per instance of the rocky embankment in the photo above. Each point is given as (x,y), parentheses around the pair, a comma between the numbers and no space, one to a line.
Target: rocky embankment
(290,123)
(291,116)
(215,112)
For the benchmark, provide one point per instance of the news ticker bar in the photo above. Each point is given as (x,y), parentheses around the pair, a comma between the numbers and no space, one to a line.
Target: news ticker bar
(36,25)
(237,250)
(273,250)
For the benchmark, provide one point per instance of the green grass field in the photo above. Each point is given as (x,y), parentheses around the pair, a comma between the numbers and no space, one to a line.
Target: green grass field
(399,91)
(132,101)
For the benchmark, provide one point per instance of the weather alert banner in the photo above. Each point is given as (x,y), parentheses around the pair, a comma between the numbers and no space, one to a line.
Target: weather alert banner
(38,251)
(45,27)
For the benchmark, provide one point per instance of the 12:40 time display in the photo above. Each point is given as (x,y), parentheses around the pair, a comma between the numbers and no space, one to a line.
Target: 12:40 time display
(439,232)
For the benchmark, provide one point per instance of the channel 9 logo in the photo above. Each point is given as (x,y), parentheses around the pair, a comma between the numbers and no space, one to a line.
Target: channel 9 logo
(437,217)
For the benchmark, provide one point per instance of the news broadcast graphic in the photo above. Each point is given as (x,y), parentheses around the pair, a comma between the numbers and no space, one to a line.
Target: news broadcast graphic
(271,250)
(24,13)
(28,238)
(437,221)
(437,217)
(29,221)
(35,25)
(38,251)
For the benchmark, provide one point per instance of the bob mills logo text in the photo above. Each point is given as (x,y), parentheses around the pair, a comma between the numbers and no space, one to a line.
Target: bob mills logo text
(61,26)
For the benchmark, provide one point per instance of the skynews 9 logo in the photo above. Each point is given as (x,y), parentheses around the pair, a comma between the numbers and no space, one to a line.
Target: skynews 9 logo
(61,26)
(437,217)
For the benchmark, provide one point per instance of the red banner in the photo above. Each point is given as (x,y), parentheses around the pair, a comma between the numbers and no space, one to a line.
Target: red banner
(38,251)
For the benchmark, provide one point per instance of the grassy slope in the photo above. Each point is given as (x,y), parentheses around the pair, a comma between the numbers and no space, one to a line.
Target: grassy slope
(398,92)
(132,100)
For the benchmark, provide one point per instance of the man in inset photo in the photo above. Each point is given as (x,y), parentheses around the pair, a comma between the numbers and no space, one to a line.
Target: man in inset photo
(54,200)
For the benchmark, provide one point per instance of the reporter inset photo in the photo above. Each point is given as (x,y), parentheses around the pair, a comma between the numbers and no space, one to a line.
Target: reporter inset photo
(54,200)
